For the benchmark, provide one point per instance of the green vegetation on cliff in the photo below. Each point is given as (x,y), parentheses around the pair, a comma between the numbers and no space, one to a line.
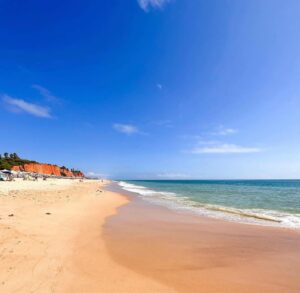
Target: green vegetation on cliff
(7,161)
(76,172)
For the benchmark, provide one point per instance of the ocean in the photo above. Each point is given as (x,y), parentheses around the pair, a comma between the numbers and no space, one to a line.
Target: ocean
(261,202)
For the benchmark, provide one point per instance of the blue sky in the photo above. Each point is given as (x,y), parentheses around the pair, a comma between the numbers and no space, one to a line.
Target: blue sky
(153,88)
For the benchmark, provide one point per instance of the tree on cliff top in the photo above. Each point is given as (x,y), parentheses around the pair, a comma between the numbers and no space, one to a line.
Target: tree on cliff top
(7,161)
(75,171)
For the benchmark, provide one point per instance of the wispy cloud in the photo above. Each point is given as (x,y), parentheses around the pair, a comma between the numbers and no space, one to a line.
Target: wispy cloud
(224,149)
(208,142)
(159,86)
(97,175)
(45,93)
(162,123)
(205,137)
(126,128)
(19,105)
(224,131)
(173,175)
(156,4)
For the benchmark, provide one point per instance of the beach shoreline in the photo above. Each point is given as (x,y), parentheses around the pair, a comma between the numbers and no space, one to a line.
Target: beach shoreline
(70,236)
(190,252)
(259,202)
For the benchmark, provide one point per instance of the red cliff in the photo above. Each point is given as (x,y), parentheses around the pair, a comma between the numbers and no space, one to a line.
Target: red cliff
(47,169)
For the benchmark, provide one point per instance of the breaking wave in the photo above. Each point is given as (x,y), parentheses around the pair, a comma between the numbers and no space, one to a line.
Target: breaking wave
(183,203)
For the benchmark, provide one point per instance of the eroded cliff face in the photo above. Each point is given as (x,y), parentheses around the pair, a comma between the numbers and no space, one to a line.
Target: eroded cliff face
(47,170)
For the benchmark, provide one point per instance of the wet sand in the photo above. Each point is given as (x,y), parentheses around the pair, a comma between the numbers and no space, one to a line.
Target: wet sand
(189,253)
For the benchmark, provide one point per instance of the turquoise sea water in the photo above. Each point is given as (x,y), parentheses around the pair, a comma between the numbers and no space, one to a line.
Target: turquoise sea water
(266,202)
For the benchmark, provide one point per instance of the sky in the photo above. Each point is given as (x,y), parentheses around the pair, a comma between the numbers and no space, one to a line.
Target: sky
(153,89)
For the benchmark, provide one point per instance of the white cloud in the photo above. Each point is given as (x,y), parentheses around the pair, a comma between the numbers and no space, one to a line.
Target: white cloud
(224,131)
(224,149)
(19,105)
(126,128)
(208,142)
(97,175)
(45,93)
(147,4)
(159,86)
(173,176)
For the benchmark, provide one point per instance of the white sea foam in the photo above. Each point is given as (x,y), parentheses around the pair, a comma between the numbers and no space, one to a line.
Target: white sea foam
(183,203)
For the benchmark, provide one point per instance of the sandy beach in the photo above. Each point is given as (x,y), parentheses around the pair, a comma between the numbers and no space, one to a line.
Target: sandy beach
(51,239)
(71,236)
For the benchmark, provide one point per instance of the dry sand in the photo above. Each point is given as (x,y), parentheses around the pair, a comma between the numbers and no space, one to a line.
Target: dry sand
(51,240)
